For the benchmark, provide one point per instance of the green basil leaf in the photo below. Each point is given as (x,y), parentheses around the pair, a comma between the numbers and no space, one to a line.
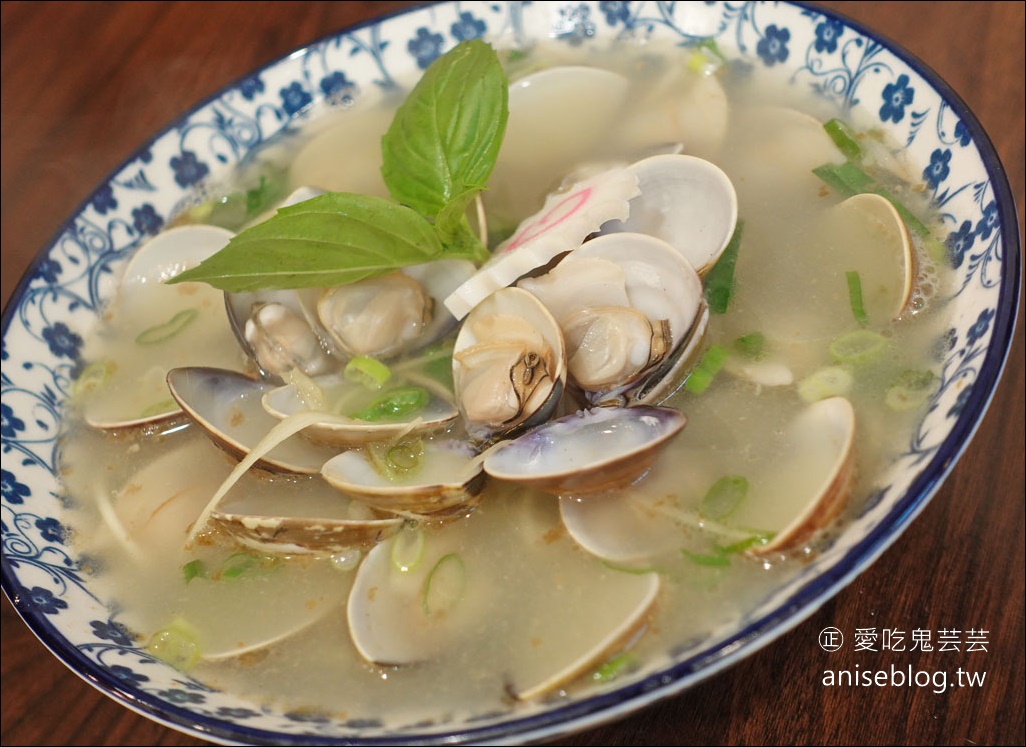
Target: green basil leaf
(445,137)
(331,239)
(458,239)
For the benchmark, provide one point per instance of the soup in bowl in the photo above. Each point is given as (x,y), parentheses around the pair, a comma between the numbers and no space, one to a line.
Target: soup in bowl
(524,597)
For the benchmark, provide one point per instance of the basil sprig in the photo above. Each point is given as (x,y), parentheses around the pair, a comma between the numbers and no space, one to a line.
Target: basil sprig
(436,158)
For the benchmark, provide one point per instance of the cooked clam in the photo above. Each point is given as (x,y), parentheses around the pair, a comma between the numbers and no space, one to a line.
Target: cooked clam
(411,476)
(632,312)
(228,406)
(588,451)
(509,365)
(315,331)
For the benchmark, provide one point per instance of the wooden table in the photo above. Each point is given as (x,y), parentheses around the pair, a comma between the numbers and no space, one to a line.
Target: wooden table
(71,69)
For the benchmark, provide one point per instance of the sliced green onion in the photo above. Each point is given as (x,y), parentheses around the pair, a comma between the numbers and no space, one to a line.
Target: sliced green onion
(408,547)
(633,570)
(846,178)
(368,372)
(832,381)
(756,540)
(859,346)
(855,297)
(177,644)
(159,408)
(709,44)
(444,585)
(166,330)
(242,563)
(398,403)
(849,180)
(911,220)
(719,283)
(910,390)
(614,667)
(406,456)
(194,569)
(396,460)
(723,498)
(92,377)
(713,560)
(712,361)
(751,345)
(844,138)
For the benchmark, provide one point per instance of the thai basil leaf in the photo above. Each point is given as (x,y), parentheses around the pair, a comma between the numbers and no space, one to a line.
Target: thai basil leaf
(331,239)
(445,137)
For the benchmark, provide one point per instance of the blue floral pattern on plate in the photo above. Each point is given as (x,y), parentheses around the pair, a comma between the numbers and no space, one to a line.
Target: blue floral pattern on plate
(45,325)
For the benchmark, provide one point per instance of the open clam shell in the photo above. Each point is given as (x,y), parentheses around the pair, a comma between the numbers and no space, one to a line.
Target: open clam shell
(165,326)
(688,202)
(317,330)
(406,608)
(298,535)
(444,475)
(615,356)
(228,406)
(589,451)
(341,401)
(509,365)
(863,236)
(816,478)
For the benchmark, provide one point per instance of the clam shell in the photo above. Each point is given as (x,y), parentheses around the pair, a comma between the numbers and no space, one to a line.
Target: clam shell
(283,401)
(551,633)
(189,331)
(227,405)
(450,476)
(817,477)
(542,400)
(688,202)
(299,535)
(647,275)
(589,451)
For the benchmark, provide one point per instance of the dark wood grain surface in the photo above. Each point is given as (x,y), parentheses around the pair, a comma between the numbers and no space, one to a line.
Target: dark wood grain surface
(84,84)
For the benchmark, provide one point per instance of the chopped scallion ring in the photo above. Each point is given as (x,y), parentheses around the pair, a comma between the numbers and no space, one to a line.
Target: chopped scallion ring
(855,297)
(444,585)
(397,403)
(859,346)
(700,379)
(910,390)
(367,372)
(408,547)
(832,381)
(723,497)
(165,331)
(177,644)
